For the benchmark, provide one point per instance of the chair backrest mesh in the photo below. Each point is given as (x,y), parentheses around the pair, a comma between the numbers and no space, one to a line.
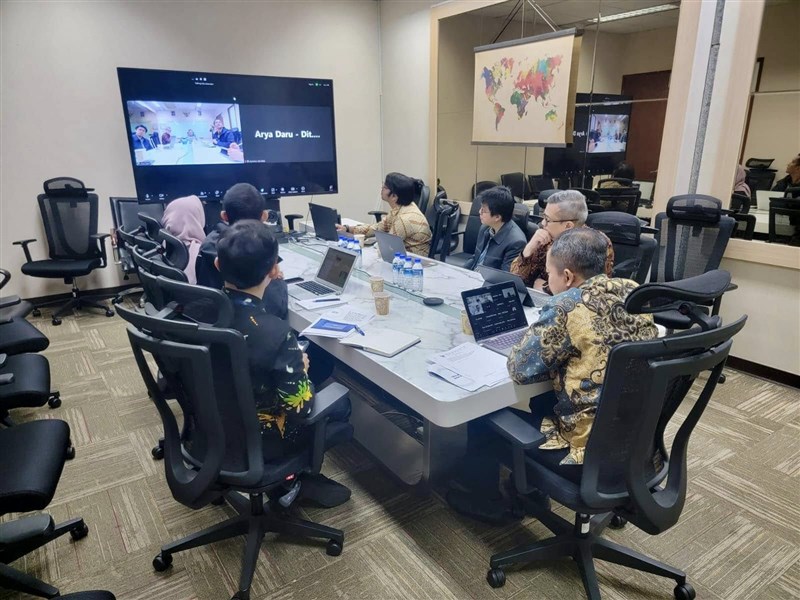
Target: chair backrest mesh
(692,237)
(69,223)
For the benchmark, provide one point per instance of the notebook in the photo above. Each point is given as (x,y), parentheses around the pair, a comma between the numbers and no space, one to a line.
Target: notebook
(496,316)
(389,244)
(331,278)
(386,342)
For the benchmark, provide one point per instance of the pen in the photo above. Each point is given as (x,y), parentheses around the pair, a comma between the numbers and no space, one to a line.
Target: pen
(328,300)
(359,330)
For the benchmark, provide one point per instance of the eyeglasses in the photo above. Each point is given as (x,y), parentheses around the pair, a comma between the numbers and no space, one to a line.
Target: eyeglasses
(546,220)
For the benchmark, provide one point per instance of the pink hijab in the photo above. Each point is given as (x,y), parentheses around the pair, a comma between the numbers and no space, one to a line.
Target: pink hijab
(184,218)
(739,185)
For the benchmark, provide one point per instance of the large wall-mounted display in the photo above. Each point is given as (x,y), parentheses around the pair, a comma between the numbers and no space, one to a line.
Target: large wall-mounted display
(524,90)
(199,133)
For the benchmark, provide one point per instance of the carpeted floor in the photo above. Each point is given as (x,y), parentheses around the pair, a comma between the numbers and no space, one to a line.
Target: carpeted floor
(738,537)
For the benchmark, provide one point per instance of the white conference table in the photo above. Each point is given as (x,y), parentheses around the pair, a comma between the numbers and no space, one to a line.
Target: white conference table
(782,225)
(445,408)
(196,153)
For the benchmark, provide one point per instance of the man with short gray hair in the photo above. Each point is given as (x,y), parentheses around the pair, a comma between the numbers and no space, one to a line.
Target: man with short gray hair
(565,210)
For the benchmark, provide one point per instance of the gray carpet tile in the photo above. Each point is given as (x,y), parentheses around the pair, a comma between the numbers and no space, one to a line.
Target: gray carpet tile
(738,537)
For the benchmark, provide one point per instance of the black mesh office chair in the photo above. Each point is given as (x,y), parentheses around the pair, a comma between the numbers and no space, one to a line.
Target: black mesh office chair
(759,175)
(16,334)
(175,253)
(592,199)
(481,186)
(218,452)
(691,239)
(539,183)
(443,232)
(518,184)
(69,213)
(619,199)
(12,306)
(633,249)
(629,473)
(28,482)
(470,234)
(787,207)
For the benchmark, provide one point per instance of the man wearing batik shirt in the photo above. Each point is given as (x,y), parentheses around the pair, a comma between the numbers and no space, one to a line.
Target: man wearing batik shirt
(247,255)
(405,219)
(565,210)
(571,340)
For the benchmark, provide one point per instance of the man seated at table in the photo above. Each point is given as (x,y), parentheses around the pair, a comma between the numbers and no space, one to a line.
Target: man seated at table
(404,219)
(222,137)
(570,344)
(500,240)
(283,393)
(565,210)
(166,137)
(140,139)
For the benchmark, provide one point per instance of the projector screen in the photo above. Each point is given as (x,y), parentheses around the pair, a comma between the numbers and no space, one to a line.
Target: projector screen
(524,90)
(200,133)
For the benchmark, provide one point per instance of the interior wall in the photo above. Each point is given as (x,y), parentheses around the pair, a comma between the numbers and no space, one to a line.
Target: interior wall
(60,106)
(775,121)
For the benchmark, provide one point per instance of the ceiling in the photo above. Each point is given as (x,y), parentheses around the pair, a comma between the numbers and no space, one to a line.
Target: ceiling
(572,12)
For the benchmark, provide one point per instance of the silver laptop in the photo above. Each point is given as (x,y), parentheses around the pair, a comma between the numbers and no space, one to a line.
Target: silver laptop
(389,244)
(496,316)
(331,278)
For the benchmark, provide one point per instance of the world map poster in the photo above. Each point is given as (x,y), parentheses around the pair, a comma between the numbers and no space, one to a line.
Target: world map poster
(524,93)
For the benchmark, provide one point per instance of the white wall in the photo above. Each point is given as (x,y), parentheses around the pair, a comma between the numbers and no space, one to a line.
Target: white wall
(60,109)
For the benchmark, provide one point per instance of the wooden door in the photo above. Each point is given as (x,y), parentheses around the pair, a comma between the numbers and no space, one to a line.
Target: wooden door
(647,120)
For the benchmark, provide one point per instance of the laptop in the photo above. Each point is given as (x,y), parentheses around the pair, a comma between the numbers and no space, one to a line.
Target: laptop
(764,196)
(528,297)
(390,244)
(496,316)
(331,278)
(324,220)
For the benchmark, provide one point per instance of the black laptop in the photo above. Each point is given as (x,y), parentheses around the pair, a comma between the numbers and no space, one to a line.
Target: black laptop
(527,296)
(324,220)
(496,316)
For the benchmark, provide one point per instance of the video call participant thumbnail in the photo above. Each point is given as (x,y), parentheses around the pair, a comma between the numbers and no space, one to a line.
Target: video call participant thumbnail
(140,139)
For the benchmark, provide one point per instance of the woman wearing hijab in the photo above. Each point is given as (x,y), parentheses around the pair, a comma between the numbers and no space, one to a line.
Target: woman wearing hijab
(739,185)
(184,218)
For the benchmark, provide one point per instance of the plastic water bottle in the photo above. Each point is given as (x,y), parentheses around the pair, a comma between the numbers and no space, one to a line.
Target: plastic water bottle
(416,275)
(342,242)
(408,274)
(357,250)
(351,244)
(397,268)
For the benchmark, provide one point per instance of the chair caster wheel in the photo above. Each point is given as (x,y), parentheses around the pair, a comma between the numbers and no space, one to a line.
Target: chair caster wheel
(617,522)
(241,596)
(722,378)
(333,548)
(684,592)
(70,453)
(54,401)
(157,452)
(496,578)
(109,312)
(80,531)
(162,562)
(36,312)
(56,321)
(116,300)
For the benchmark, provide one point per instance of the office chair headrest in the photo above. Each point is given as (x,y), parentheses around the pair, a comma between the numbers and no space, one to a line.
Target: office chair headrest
(684,295)
(619,227)
(759,163)
(694,207)
(544,195)
(66,187)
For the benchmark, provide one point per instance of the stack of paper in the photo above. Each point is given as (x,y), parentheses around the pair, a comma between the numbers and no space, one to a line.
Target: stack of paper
(470,366)
(338,323)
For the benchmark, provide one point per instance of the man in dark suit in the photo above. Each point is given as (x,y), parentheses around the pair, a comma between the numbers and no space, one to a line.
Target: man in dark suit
(140,139)
(500,240)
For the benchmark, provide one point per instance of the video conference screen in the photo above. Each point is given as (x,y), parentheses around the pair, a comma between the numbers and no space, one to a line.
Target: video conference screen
(607,133)
(200,133)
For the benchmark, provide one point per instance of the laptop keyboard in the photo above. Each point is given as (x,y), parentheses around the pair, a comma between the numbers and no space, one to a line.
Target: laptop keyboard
(315,288)
(506,340)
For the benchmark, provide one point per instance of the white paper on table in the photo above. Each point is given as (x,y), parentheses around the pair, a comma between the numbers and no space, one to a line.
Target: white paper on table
(465,383)
(320,303)
(474,362)
(348,314)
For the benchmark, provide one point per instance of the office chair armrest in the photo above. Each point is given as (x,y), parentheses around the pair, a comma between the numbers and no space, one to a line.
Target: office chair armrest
(24,244)
(515,429)
(324,402)
(3,358)
(100,238)
(291,219)
(648,229)
(6,378)
(378,214)
(7,301)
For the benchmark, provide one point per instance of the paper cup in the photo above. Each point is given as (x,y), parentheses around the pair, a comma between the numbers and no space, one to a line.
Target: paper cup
(381,303)
(465,326)
(360,238)
(376,283)
(140,155)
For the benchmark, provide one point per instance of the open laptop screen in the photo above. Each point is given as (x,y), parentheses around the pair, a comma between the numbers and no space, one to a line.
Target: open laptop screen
(494,310)
(336,267)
